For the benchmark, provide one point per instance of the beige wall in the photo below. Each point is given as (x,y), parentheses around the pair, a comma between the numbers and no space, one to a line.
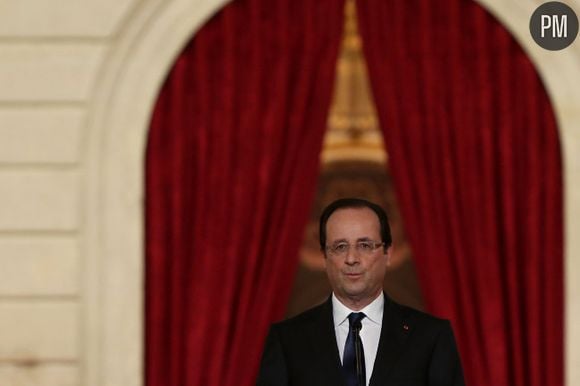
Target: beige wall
(77,83)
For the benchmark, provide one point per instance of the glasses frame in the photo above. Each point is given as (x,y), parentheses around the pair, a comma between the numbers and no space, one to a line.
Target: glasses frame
(374,245)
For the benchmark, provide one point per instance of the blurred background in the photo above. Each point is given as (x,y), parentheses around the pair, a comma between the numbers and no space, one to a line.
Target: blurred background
(91,289)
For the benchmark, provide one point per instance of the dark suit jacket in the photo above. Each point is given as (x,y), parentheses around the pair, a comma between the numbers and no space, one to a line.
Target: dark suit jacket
(415,349)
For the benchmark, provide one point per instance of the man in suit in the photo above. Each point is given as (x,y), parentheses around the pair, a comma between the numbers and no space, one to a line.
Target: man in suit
(359,337)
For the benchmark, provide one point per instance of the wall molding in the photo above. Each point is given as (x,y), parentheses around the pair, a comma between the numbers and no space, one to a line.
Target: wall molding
(135,67)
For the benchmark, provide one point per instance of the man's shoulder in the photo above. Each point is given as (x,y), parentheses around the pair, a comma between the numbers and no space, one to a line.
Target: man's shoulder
(412,316)
(413,312)
(311,316)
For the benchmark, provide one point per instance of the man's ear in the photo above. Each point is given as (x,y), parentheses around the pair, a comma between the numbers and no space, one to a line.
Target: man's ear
(389,253)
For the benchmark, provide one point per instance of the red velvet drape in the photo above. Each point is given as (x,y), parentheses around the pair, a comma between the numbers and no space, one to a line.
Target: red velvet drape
(231,167)
(475,158)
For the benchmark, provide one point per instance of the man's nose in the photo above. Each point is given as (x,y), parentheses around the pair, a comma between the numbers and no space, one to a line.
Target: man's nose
(352,256)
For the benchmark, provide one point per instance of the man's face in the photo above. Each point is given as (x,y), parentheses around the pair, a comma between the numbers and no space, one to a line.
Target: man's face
(355,277)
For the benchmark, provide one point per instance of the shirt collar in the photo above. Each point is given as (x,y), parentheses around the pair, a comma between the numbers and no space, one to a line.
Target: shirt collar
(373,311)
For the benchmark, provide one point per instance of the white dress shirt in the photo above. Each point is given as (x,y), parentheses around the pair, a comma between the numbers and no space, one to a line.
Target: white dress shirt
(370,332)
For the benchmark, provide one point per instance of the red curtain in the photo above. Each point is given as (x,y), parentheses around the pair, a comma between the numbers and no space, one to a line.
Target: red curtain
(475,158)
(231,168)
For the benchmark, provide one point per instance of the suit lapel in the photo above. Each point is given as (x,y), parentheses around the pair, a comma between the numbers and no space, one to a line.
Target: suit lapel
(394,333)
(324,343)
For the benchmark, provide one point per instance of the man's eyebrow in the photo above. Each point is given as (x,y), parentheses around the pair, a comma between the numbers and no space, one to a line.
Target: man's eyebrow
(344,240)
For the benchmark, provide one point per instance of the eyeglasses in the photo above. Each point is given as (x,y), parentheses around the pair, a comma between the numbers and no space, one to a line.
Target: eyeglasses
(364,247)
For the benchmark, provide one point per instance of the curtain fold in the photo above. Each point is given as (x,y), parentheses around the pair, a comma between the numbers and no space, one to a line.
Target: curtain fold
(475,158)
(231,169)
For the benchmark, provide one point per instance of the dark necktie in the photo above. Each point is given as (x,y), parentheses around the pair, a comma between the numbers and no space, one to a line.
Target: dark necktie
(353,360)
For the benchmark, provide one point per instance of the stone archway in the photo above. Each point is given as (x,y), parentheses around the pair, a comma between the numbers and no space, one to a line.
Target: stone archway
(118,124)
